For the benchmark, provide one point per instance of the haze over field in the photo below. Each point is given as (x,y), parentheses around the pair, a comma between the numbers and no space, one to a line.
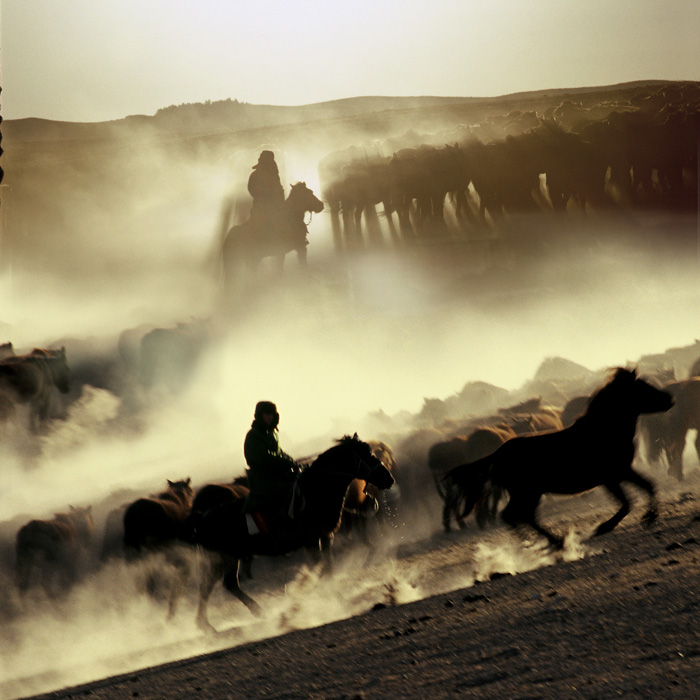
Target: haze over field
(113,228)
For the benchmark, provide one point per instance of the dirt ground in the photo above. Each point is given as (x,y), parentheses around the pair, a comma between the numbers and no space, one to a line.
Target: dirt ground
(619,619)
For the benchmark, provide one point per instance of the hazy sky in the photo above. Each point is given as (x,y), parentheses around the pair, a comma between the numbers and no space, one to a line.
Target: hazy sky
(95,60)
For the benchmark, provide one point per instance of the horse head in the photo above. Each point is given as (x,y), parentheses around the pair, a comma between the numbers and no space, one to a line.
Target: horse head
(628,394)
(369,467)
(182,490)
(303,199)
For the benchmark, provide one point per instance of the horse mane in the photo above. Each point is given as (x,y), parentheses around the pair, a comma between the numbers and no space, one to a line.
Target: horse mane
(620,375)
(346,439)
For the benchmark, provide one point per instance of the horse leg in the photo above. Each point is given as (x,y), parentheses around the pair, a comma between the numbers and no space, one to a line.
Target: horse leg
(521,510)
(179,585)
(233,586)
(674,453)
(212,568)
(643,483)
(615,490)
(326,553)
(451,508)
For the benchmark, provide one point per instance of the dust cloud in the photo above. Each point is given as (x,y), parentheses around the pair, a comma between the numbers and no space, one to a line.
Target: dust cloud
(362,333)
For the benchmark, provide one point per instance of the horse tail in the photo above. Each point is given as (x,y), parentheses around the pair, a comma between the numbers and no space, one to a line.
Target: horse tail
(469,485)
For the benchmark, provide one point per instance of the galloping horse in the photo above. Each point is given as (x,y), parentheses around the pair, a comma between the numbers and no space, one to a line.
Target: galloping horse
(154,525)
(482,441)
(364,502)
(248,245)
(597,450)
(30,379)
(324,483)
(53,549)
(155,521)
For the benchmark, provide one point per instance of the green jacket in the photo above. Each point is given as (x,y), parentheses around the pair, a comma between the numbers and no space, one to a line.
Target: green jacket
(271,471)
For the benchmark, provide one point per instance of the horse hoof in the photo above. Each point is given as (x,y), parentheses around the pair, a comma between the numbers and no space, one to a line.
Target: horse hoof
(650,517)
(206,627)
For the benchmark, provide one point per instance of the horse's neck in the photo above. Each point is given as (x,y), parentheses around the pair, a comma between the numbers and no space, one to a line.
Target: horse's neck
(294,207)
(611,423)
(324,491)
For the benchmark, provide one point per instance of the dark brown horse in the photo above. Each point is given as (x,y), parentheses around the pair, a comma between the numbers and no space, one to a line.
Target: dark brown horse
(153,526)
(323,484)
(443,456)
(50,552)
(31,379)
(156,521)
(597,450)
(365,503)
(211,496)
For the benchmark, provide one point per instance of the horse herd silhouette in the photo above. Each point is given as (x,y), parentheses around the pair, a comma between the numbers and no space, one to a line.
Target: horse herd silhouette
(637,151)
(502,466)
(631,154)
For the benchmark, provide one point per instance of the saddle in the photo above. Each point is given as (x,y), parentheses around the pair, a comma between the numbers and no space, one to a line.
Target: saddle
(265,522)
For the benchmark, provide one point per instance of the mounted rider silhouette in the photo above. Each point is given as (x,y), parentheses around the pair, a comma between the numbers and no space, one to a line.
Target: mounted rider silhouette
(266,189)
(272,478)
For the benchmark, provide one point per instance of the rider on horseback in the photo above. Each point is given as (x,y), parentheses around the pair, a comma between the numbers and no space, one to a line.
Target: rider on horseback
(272,473)
(267,192)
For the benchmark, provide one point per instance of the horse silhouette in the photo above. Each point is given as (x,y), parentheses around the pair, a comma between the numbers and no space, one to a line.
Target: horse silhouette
(444,456)
(365,503)
(664,435)
(246,246)
(153,525)
(31,379)
(597,450)
(49,553)
(223,530)
(6,350)
(168,357)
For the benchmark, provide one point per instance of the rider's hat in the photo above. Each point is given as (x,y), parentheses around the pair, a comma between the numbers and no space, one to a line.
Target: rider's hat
(265,407)
(265,158)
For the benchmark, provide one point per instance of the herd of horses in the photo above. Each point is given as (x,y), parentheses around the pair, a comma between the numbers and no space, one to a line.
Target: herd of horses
(624,154)
(501,466)
(640,151)
(30,381)
(205,531)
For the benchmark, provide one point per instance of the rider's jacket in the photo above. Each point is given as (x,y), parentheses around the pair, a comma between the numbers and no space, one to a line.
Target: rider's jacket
(266,190)
(271,471)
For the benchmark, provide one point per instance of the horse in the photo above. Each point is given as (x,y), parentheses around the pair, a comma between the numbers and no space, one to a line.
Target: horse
(664,435)
(246,244)
(168,357)
(155,521)
(54,549)
(597,450)
(154,525)
(365,503)
(212,496)
(482,441)
(30,379)
(6,350)
(223,530)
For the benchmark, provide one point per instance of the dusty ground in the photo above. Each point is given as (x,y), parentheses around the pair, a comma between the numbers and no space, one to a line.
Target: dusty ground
(620,619)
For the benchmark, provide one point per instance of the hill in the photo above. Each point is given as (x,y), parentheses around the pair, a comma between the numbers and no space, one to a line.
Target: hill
(231,115)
